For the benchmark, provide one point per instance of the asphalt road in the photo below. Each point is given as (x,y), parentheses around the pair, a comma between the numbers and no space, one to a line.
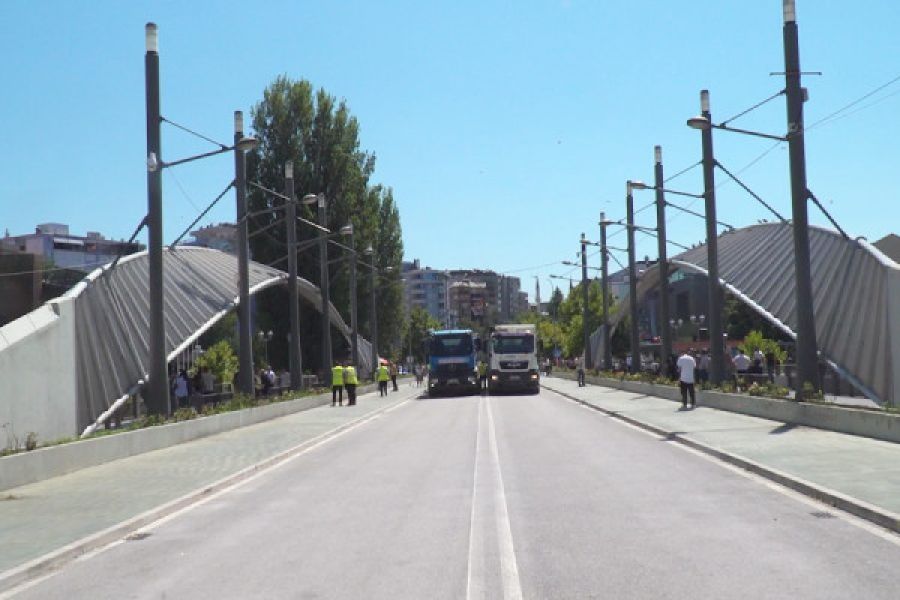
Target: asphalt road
(494,497)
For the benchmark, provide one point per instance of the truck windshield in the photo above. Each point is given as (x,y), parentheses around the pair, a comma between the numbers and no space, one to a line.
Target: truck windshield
(451,345)
(513,344)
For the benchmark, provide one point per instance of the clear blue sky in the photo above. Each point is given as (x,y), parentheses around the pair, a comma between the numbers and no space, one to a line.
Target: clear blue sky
(504,127)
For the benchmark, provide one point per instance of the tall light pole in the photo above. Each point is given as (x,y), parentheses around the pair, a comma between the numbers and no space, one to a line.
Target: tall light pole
(354,329)
(245,332)
(807,359)
(373,309)
(665,333)
(716,340)
(157,396)
(324,285)
(585,312)
(632,282)
(295,358)
(604,276)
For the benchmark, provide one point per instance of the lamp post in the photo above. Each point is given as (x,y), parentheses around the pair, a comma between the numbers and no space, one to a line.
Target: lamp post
(585,312)
(659,181)
(157,396)
(373,309)
(632,282)
(354,330)
(604,275)
(716,343)
(295,359)
(245,345)
(807,358)
(266,337)
(319,199)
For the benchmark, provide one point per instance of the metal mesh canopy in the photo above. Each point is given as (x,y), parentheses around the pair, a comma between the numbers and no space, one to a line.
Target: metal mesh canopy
(855,296)
(112,308)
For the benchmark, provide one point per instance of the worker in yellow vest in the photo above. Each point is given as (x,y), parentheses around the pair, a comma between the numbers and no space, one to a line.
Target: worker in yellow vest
(482,375)
(350,382)
(382,375)
(337,385)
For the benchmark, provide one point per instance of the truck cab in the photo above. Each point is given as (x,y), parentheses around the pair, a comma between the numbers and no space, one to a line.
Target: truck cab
(513,361)
(452,361)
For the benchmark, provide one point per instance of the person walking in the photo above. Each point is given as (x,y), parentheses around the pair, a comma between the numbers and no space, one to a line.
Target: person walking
(703,366)
(337,385)
(382,375)
(350,382)
(394,376)
(482,375)
(182,389)
(686,366)
(579,364)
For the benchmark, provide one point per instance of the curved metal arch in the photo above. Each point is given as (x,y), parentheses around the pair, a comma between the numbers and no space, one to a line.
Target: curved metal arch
(112,329)
(855,296)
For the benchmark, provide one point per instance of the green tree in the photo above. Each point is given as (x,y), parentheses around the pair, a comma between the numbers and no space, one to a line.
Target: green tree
(754,340)
(221,360)
(321,137)
(571,316)
(417,327)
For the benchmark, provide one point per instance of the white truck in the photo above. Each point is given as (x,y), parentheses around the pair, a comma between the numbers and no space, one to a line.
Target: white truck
(512,362)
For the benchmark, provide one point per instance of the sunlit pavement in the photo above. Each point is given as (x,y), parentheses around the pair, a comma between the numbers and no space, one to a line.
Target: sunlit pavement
(513,496)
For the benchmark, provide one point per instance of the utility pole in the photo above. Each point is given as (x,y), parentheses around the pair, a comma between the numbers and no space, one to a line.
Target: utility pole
(716,340)
(632,283)
(373,309)
(354,329)
(294,351)
(324,284)
(604,276)
(585,313)
(665,331)
(157,397)
(807,355)
(245,332)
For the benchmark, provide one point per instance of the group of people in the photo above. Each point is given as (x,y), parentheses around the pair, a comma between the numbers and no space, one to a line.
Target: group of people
(183,386)
(343,376)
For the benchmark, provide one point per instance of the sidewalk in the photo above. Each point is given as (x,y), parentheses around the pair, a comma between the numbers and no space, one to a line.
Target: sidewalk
(47,516)
(856,474)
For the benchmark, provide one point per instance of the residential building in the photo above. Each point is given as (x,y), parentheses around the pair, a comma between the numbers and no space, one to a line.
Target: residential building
(55,246)
(222,236)
(426,289)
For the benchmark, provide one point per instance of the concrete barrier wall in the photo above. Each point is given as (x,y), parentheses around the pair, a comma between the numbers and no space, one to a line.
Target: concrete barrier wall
(44,463)
(37,375)
(874,424)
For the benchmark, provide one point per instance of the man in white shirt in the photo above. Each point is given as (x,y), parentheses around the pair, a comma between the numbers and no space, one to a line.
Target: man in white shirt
(686,366)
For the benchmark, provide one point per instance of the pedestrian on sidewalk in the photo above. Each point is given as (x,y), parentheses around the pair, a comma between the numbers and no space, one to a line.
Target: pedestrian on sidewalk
(350,382)
(394,376)
(182,389)
(686,365)
(382,375)
(337,385)
(579,364)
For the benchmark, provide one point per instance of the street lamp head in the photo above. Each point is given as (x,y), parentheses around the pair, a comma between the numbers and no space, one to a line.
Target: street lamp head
(699,122)
(657,154)
(347,229)
(247,143)
(309,199)
(639,185)
(289,169)
(704,101)
(151,37)
(790,11)
(238,121)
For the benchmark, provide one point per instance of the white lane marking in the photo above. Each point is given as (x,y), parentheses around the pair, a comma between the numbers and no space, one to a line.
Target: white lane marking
(512,586)
(488,482)
(850,518)
(475,571)
(288,456)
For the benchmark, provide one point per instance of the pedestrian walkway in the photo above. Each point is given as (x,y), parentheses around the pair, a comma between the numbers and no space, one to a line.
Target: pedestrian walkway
(850,470)
(46,516)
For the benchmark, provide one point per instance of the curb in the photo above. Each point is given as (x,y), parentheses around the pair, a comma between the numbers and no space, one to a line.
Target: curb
(56,559)
(869,512)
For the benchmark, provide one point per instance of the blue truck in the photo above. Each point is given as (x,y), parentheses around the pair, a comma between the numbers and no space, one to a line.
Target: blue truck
(452,361)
